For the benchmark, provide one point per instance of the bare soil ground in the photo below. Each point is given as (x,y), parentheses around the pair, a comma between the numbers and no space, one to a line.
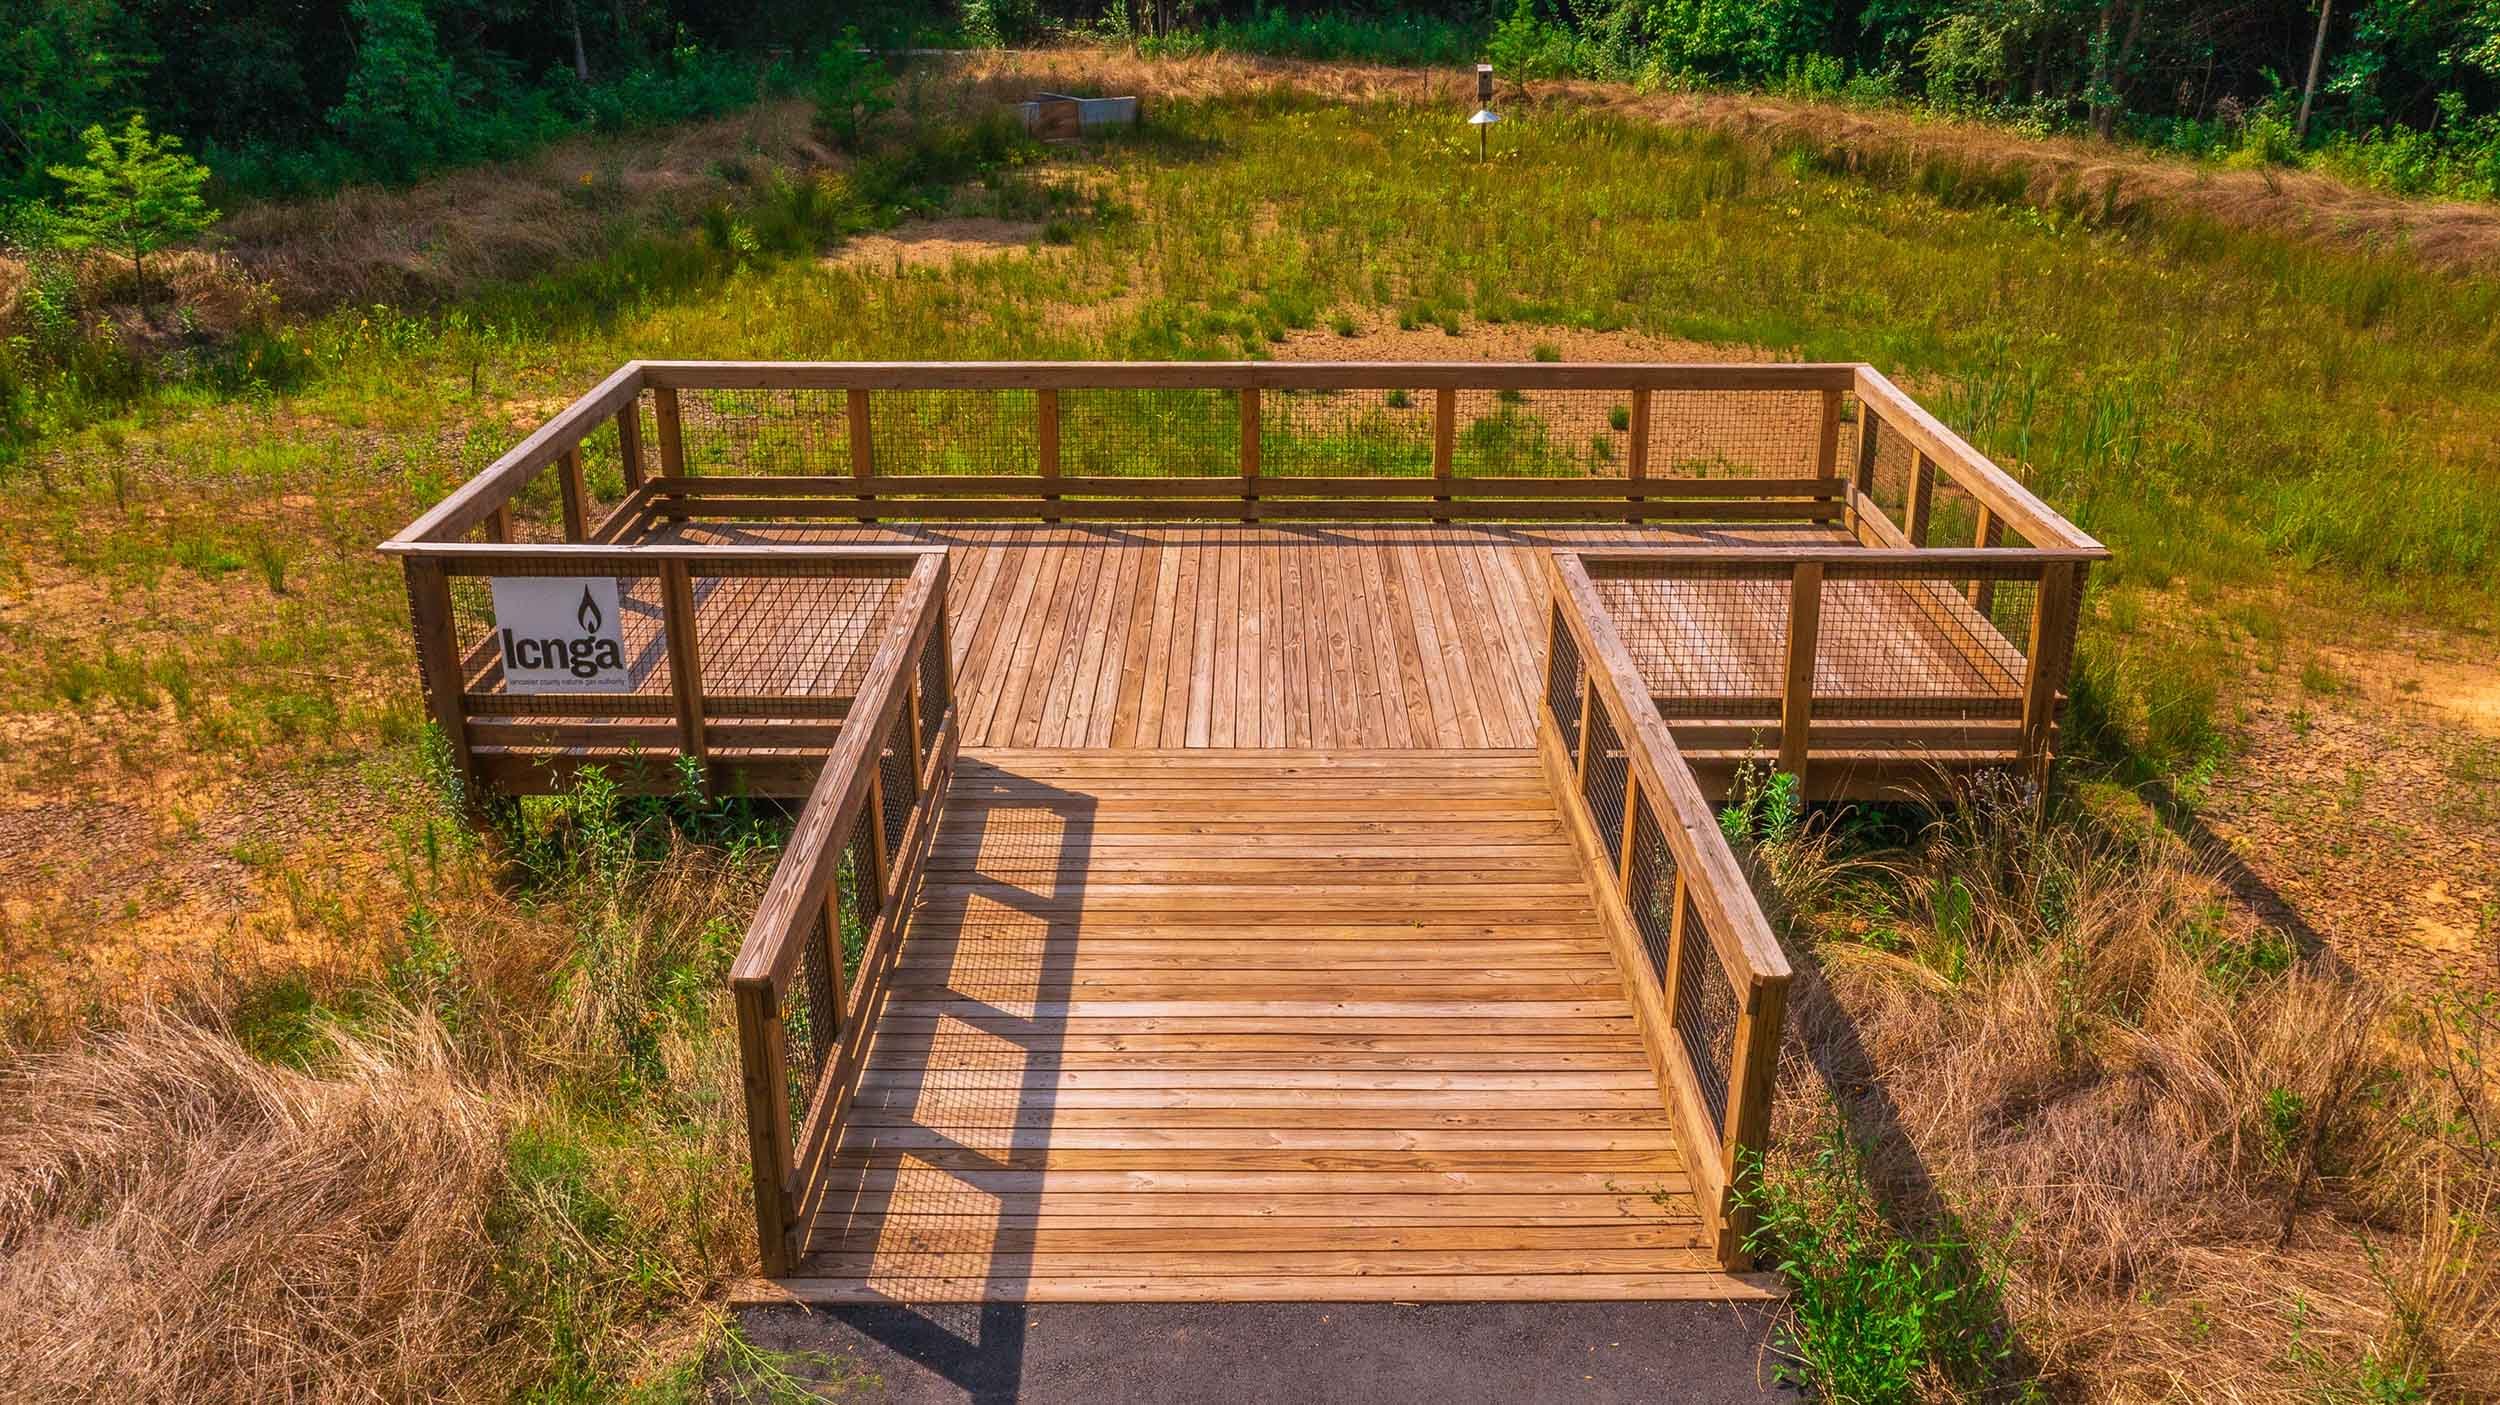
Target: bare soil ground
(938,244)
(2371,807)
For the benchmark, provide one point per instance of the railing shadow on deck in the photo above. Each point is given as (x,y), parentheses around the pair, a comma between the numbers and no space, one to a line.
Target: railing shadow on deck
(977,1124)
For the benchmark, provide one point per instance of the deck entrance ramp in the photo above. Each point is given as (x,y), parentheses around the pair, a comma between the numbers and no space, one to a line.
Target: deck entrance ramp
(1255,1024)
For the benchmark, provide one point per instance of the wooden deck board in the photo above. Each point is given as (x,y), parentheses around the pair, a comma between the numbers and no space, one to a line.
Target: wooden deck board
(1247,1024)
(1354,637)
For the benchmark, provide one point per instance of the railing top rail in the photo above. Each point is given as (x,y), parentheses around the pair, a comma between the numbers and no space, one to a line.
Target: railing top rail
(808,861)
(1249,375)
(889,560)
(475,501)
(1775,560)
(1724,895)
(2014,504)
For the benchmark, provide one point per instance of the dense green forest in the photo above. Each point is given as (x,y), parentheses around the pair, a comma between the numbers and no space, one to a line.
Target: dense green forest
(290,96)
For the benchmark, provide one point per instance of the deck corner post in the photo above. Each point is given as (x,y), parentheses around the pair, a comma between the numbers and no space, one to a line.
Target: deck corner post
(1755,1067)
(685,661)
(1805,616)
(1250,459)
(767,1100)
(438,663)
(2054,611)
(672,431)
(576,498)
(1046,442)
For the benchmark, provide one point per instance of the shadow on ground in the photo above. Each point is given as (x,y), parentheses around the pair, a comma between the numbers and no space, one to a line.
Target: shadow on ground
(1296,1353)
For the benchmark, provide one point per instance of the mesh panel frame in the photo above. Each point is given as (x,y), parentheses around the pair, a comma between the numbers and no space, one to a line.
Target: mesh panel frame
(1734,433)
(933,687)
(1563,675)
(898,782)
(766,433)
(811,1021)
(985,432)
(1605,780)
(1345,433)
(1705,1015)
(1651,891)
(1149,433)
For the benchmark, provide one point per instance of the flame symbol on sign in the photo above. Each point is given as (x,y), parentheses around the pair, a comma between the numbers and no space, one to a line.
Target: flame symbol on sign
(588,614)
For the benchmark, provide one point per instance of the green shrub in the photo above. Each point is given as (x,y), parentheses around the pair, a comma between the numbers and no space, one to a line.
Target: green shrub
(850,89)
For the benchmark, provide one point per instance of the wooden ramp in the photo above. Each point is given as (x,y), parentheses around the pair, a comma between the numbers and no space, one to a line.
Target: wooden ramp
(1240,1025)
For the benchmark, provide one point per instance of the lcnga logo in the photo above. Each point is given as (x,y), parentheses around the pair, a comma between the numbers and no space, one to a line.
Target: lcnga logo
(559,633)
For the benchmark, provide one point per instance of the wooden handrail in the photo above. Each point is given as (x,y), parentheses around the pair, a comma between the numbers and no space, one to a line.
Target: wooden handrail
(476,500)
(1709,884)
(848,795)
(2014,505)
(1246,375)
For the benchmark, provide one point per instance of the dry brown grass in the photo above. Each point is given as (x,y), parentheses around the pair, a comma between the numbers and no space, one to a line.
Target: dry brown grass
(180,1221)
(2211,1186)
(2442,234)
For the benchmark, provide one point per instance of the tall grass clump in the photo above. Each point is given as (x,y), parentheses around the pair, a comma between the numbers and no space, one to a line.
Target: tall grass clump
(2073,1089)
(488,1168)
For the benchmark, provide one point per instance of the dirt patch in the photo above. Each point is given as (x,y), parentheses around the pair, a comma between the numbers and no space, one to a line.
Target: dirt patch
(939,244)
(2367,797)
(2441,234)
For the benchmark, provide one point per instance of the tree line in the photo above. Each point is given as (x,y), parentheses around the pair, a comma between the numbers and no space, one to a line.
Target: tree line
(285,96)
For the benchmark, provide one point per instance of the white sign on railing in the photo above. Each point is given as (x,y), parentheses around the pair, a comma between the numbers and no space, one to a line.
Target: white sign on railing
(561,634)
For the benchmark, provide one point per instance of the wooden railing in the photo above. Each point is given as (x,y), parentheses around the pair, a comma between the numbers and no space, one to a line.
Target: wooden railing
(849,871)
(1707,980)
(1809,659)
(749,724)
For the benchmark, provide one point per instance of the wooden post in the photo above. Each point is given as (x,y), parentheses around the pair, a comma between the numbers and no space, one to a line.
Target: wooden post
(1862,478)
(2051,653)
(664,416)
(1046,441)
(499,526)
(1753,1070)
(1805,616)
(862,441)
(1827,438)
(685,660)
(1636,459)
(629,442)
(1677,935)
(872,815)
(1631,825)
(1249,453)
(576,500)
(760,1057)
(1588,701)
(1444,441)
(1922,503)
(438,663)
(1983,591)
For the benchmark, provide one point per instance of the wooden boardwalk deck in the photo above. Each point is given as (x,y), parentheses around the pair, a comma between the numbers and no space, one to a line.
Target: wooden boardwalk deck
(1211,636)
(1309,1025)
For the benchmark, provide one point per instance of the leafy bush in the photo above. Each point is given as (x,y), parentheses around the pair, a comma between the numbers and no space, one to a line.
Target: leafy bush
(995,24)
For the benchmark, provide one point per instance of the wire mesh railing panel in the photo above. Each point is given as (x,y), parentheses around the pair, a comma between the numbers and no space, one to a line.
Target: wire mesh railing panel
(1705,1015)
(1895,461)
(1345,433)
(1899,642)
(984,432)
(758,433)
(863,895)
(1650,891)
(1605,778)
(786,635)
(1734,433)
(1541,434)
(1564,673)
(811,1021)
(1149,433)
(898,781)
(1711,641)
